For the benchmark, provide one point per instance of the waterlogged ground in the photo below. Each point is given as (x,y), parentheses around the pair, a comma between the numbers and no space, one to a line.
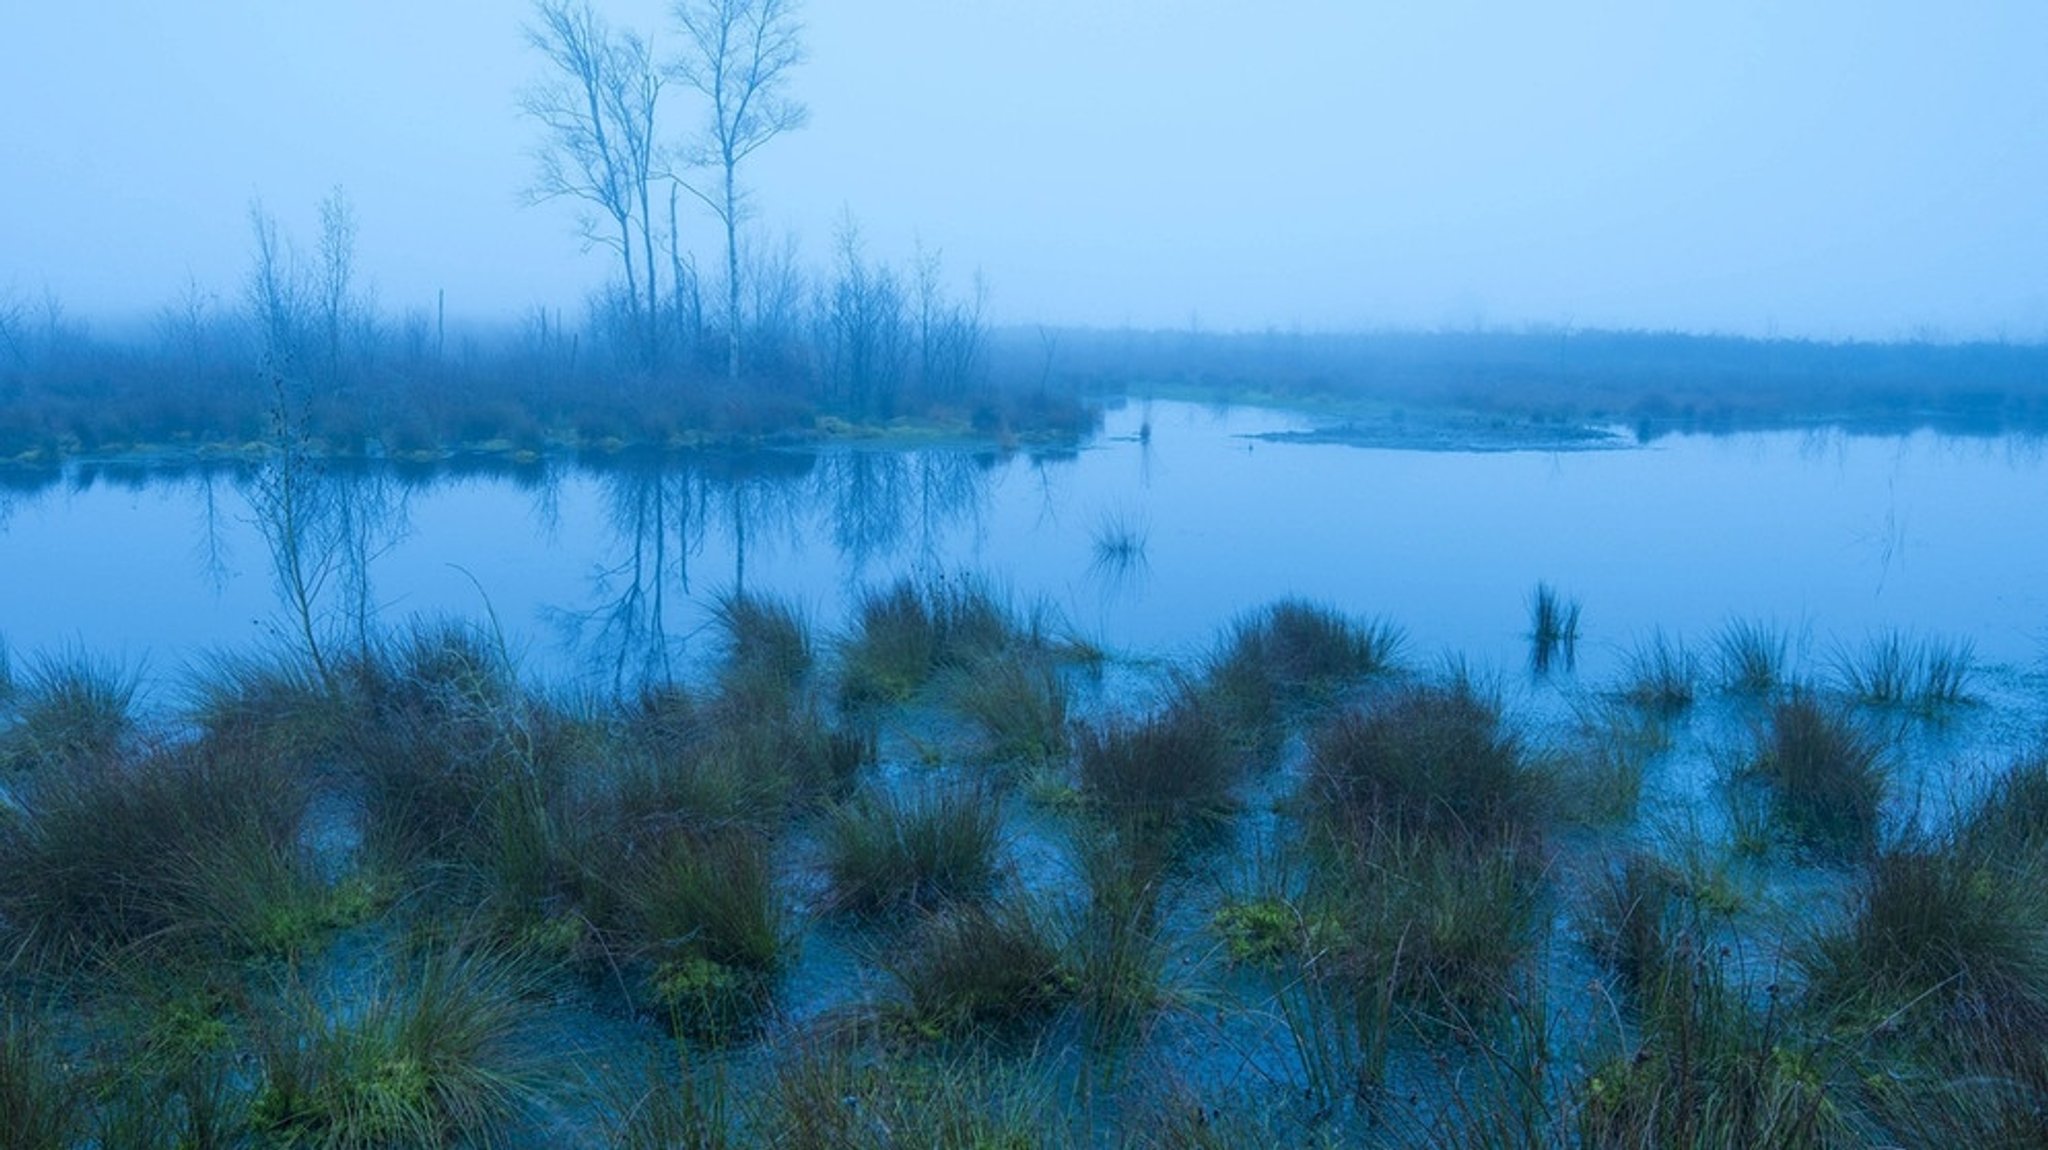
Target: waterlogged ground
(1175,517)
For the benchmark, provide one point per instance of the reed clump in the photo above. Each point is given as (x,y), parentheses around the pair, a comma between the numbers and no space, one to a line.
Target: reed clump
(1661,675)
(1436,759)
(1826,771)
(921,847)
(1168,766)
(1020,705)
(1750,657)
(66,712)
(983,968)
(436,1054)
(906,633)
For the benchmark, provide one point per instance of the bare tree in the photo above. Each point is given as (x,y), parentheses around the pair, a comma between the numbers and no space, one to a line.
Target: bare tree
(340,312)
(14,327)
(274,292)
(597,108)
(737,54)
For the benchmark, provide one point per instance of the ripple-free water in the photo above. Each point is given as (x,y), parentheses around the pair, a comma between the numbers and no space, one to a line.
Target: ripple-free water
(606,571)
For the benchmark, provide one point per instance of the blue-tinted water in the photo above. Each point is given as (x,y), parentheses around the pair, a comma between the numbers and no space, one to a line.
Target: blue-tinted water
(587,568)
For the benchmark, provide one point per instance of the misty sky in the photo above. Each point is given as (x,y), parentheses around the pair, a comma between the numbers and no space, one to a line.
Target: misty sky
(1834,169)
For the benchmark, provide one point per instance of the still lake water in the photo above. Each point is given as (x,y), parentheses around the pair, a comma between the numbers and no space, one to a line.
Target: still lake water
(588,569)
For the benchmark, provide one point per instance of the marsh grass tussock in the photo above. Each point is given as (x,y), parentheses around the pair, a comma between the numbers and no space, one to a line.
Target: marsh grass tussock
(1938,937)
(174,848)
(906,633)
(917,847)
(1020,705)
(705,924)
(1827,772)
(1749,657)
(767,642)
(1291,654)
(984,968)
(66,711)
(1893,669)
(438,1053)
(1434,758)
(1660,675)
(1172,764)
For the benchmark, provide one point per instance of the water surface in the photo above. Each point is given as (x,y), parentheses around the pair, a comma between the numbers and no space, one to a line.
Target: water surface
(604,571)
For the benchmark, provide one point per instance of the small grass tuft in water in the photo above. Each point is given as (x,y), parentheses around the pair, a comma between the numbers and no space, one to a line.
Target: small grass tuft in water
(1432,758)
(1020,706)
(1292,652)
(437,1055)
(1660,675)
(1750,657)
(1553,630)
(885,850)
(984,968)
(1893,670)
(1119,543)
(1171,765)
(1826,771)
(767,642)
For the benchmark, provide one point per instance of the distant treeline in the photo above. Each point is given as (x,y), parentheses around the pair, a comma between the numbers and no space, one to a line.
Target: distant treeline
(300,349)
(1654,382)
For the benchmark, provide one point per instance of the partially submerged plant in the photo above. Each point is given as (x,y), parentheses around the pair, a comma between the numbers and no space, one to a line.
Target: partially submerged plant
(1660,675)
(1553,629)
(1750,657)
(1170,765)
(884,849)
(1894,670)
(1020,704)
(985,968)
(1429,758)
(1826,771)
(435,1055)
(767,643)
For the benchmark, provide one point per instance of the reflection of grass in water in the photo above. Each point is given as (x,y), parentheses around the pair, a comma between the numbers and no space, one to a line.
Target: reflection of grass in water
(1553,629)
(1119,543)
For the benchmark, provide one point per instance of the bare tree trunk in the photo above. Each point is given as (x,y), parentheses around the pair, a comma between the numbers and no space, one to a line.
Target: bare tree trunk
(732,280)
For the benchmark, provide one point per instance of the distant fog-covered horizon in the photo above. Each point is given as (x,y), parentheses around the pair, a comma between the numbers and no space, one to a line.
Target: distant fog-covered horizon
(1826,171)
